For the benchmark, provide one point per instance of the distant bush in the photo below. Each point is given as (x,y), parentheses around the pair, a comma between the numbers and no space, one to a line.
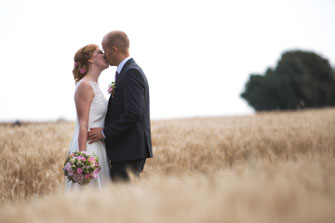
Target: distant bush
(300,80)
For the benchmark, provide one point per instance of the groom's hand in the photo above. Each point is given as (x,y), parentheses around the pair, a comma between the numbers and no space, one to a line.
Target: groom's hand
(95,134)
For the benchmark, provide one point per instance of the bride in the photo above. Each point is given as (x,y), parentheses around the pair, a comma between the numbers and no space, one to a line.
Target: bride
(91,106)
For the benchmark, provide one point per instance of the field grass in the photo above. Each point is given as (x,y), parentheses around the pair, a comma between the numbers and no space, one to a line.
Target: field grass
(269,167)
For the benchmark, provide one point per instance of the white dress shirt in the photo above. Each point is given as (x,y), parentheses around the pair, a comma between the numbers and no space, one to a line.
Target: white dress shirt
(120,66)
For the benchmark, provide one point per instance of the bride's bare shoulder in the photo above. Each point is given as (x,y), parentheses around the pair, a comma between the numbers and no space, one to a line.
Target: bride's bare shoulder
(84,89)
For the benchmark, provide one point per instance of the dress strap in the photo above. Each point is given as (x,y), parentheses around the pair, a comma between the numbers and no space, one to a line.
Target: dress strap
(93,84)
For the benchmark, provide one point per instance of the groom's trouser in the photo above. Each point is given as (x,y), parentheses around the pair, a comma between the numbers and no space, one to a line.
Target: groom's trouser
(119,170)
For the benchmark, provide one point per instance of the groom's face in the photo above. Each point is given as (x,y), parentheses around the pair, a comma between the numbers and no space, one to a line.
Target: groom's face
(109,54)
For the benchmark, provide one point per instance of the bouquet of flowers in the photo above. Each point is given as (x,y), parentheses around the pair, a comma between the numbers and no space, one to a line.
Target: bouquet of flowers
(81,167)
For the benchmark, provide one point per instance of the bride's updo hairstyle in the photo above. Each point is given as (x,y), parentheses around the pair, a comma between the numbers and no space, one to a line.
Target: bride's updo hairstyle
(81,63)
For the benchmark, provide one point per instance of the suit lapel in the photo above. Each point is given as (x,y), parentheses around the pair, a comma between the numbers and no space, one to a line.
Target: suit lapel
(124,68)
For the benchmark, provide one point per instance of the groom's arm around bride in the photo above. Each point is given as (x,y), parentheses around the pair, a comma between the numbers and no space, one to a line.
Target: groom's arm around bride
(127,130)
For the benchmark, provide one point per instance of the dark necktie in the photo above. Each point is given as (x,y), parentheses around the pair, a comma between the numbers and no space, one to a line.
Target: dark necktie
(116,76)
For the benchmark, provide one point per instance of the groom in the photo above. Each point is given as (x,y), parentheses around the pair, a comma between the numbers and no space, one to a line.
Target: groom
(127,130)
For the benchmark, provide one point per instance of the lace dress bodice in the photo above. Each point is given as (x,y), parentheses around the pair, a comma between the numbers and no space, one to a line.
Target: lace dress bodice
(98,107)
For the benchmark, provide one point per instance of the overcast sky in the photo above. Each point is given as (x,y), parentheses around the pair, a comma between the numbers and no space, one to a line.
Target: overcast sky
(197,55)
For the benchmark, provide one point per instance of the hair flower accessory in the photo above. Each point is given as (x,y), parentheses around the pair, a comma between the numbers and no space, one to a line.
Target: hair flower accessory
(82,70)
(75,64)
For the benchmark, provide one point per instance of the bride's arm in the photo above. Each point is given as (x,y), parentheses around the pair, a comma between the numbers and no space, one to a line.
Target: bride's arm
(83,98)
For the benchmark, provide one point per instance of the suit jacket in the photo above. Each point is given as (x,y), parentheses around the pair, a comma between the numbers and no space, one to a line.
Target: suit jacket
(127,124)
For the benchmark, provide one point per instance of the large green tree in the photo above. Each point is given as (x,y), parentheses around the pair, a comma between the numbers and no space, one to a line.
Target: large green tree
(300,80)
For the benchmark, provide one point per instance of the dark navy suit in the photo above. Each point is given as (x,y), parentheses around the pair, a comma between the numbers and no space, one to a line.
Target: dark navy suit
(127,124)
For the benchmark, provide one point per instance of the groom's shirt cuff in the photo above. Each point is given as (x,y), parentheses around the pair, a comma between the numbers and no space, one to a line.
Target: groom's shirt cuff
(103,134)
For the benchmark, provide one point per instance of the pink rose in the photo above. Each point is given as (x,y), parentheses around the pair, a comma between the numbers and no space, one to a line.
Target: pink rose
(79,170)
(82,70)
(96,173)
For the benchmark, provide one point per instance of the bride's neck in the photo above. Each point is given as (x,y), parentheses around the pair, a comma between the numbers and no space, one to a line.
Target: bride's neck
(93,74)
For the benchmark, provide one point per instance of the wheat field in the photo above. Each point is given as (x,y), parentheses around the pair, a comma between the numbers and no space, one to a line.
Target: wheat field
(269,167)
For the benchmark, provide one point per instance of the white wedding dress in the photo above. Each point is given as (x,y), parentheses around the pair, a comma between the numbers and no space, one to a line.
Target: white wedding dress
(97,114)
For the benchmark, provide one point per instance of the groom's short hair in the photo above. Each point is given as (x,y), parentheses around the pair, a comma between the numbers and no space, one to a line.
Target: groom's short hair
(118,39)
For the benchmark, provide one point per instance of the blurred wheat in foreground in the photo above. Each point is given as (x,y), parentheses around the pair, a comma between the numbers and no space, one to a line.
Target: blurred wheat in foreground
(270,167)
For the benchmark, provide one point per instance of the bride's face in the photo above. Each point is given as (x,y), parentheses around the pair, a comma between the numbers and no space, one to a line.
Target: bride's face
(99,60)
